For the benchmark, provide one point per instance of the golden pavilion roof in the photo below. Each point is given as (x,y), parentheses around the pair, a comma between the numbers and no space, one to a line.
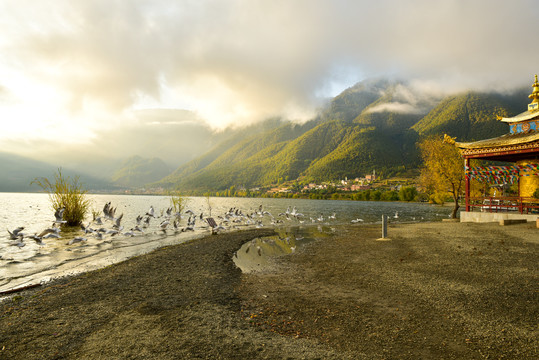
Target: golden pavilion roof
(521,141)
(526,115)
(504,140)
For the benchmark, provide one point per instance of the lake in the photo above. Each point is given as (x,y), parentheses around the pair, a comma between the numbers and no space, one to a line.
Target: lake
(34,263)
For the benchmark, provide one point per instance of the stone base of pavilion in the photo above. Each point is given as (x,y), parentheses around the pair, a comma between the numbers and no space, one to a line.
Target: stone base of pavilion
(483,217)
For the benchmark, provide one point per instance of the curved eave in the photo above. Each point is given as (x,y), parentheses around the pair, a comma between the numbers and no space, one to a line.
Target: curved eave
(504,140)
(526,115)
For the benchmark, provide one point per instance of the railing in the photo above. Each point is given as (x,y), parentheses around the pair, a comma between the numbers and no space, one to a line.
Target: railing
(523,205)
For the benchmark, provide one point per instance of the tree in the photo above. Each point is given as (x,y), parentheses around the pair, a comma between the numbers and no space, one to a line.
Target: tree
(443,169)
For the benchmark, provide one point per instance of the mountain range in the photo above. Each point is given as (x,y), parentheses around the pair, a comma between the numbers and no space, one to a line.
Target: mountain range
(373,125)
(370,126)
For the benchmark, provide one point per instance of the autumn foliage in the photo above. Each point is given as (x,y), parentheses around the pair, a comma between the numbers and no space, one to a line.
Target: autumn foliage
(443,169)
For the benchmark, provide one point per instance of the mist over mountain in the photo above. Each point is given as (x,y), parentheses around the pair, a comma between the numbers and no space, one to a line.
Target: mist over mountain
(373,125)
(137,171)
(18,172)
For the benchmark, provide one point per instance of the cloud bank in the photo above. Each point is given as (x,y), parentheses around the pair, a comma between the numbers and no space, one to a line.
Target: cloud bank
(81,68)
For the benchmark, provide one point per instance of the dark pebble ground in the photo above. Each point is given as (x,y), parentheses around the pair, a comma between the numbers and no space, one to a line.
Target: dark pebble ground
(434,291)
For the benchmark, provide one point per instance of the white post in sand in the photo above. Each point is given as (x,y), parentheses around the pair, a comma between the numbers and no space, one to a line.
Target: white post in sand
(384,226)
(384,229)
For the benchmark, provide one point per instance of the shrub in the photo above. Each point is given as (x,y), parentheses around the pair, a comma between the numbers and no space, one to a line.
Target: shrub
(66,193)
(407,193)
(391,195)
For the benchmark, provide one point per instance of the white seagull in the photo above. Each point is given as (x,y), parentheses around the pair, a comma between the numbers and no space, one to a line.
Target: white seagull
(76,240)
(59,216)
(14,235)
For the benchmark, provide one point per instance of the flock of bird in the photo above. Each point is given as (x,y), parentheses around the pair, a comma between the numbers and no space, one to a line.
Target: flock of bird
(52,232)
(109,225)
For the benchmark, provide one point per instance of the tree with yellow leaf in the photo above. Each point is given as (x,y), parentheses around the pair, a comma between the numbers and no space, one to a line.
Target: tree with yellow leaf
(443,169)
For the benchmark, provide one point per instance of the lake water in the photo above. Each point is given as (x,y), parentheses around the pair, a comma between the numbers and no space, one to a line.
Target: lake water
(34,263)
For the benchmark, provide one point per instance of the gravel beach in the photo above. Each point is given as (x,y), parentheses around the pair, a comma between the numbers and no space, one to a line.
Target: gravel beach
(433,291)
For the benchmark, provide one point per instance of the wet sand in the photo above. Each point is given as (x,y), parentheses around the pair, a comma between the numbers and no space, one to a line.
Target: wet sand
(435,291)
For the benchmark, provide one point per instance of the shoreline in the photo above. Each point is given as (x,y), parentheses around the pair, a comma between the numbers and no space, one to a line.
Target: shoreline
(436,290)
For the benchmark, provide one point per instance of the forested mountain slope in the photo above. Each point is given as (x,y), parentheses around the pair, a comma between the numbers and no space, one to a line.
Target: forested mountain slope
(372,126)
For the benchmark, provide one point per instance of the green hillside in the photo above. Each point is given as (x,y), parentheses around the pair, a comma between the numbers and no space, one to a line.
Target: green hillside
(471,116)
(241,145)
(370,126)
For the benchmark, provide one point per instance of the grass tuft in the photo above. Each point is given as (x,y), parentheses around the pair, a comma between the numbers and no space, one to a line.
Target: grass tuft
(64,192)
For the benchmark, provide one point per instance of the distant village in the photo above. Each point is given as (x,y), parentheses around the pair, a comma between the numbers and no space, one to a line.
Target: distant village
(357,184)
(369,187)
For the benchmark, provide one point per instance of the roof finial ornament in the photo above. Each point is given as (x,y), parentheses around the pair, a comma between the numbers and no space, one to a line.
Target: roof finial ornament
(534,105)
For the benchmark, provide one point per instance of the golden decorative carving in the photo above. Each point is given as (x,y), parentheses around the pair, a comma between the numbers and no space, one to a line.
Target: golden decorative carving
(448,139)
(529,181)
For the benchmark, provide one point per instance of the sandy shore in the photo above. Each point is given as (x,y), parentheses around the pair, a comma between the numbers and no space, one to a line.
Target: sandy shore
(435,291)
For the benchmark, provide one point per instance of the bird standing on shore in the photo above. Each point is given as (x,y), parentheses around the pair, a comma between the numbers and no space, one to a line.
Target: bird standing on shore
(59,216)
(163,225)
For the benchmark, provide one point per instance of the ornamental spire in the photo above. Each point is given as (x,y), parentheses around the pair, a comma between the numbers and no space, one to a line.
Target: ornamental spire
(534,96)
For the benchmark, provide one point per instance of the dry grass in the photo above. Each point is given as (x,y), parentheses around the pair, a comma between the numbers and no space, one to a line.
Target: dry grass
(177,200)
(67,193)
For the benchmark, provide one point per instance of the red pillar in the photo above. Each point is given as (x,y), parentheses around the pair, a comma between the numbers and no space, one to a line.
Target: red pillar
(467,189)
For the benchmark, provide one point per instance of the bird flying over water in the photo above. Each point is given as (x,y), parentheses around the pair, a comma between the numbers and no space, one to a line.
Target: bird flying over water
(86,229)
(51,235)
(14,235)
(20,243)
(37,239)
(76,240)
(117,221)
(53,230)
(109,211)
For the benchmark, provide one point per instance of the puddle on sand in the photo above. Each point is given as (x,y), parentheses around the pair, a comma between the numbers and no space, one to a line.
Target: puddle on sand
(257,255)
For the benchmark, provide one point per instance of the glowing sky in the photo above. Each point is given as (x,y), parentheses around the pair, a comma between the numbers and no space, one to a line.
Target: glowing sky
(71,71)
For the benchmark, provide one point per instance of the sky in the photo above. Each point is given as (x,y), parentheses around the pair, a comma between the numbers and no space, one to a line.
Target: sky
(76,73)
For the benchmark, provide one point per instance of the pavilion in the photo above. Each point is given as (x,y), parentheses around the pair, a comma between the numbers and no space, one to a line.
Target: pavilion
(521,148)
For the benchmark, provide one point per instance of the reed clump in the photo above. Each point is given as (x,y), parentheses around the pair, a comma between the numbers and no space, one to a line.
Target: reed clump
(68,193)
(177,200)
